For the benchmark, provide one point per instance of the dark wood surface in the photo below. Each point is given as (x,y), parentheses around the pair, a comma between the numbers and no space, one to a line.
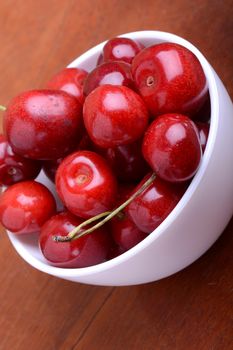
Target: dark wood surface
(191,310)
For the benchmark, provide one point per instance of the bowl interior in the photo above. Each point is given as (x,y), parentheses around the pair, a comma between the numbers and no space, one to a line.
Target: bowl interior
(27,246)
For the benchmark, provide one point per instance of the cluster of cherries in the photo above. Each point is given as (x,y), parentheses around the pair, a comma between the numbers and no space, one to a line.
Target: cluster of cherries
(121,143)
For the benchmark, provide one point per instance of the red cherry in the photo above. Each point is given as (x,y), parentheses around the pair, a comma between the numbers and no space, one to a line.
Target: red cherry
(86,184)
(124,231)
(113,73)
(172,148)
(14,168)
(114,116)
(50,166)
(154,204)
(127,161)
(170,79)
(43,124)
(203,129)
(121,49)
(71,81)
(88,250)
(25,206)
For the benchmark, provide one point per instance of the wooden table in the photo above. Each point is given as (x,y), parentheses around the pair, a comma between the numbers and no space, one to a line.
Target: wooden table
(191,310)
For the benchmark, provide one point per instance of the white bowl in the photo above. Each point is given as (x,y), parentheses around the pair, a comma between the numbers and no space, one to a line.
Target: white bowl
(195,223)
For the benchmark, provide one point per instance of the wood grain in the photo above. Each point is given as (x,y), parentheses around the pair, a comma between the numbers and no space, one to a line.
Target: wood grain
(190,310)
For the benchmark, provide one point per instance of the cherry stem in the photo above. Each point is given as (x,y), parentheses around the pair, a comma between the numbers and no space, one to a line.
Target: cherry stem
(107,216)
(72,233)
(2,108)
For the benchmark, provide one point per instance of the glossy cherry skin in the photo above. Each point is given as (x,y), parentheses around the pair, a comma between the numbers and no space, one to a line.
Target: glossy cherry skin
(114,116)
(25,206)
(154,204)
(172,147)
(121,49)
(50,166)
(14,168)
(124,231)
(127,161)
(86,251)
(43,124)
(86,184)
(113,73)
(203,129)
(170,79)
(70,80)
